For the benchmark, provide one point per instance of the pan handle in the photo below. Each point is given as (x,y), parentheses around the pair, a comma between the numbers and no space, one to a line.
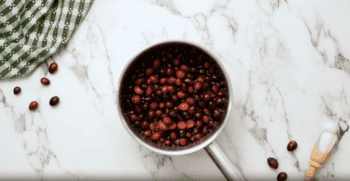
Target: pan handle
(228,169)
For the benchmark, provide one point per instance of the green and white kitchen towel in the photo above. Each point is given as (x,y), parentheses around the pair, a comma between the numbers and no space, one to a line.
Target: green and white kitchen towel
(33,30)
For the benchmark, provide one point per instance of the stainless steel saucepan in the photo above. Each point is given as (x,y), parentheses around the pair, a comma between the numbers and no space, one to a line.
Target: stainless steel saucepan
(229,170)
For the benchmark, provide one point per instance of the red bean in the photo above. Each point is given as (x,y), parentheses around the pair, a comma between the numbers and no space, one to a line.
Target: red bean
(205,119)
(149,71)
(173,135)
(219,101)
(169,104)
(183,141)
(184,67)
(163,81)
(198,114)
(205,111)
(180,74)
(53,67)
(16,90)
(174,98)
(212,105)
(198,123)
(139,81)
(190,89)
(171,80)
(190,101)
(171,89)
(197,97)
(173,113)
(191,110)
(148,133)
(282,176)
(190,123)
(292,145)
(158,113)
(181,125)
(145,125)
(45,81)
(193,139)
(206,65)
(149,91)
(178,82)
(33,105)
(211,123)
(216,113)
(155,136)
(153,79)
(205,130)
(176,61)
(200,79)
(54,101)
(168,142)
(181,94)
(215,88)
(198,136)
(138,90)
(164,89)
(183,107)
(133,117)
(156,64)
(167,121)
(154,106)
(272,162)
(169,71)
(198,85)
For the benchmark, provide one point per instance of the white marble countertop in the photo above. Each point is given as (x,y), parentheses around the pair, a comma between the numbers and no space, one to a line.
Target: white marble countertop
(289,66)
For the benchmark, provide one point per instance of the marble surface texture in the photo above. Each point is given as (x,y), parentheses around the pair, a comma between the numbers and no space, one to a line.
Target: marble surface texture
(289,66)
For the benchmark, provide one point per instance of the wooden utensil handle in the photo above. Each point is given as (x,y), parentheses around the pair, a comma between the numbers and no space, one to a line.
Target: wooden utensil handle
(318,159)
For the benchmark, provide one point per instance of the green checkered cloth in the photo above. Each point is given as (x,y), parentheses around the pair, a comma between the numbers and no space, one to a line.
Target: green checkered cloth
(31,31)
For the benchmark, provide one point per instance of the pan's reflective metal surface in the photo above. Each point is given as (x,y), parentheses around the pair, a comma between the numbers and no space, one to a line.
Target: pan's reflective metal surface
(230,173)
(228,169)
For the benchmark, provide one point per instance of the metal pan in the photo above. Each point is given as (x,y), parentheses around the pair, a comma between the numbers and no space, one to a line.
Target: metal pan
(229,170)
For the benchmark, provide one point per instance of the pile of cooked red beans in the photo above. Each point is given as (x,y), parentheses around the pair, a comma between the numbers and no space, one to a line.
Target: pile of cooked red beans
(176,97)
(53,101)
